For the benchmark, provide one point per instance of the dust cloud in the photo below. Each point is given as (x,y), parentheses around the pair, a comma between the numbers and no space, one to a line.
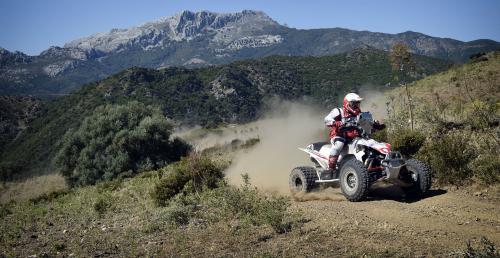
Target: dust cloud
(202,139)
(286,127)
(374,101)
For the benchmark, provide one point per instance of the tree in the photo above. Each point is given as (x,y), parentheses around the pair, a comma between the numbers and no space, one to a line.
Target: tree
(403,65)
(118,139)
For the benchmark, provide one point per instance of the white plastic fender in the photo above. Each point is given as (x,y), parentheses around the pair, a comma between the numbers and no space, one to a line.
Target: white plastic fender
(382,147)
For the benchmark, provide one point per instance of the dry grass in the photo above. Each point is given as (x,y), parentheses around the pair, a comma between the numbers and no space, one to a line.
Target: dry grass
(31,188)
(471,81)
(120,219)
(457,110)
(127,224)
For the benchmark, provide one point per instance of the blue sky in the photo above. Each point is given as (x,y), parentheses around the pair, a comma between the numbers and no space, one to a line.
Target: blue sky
(31,26)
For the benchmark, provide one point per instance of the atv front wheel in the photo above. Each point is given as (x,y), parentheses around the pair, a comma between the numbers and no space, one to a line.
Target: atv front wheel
(354,180)
(419,175)
(303,179)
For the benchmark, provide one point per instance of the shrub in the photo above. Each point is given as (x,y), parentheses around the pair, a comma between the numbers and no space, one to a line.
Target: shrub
(117,139)
(406,141)
(109,185)
(8,171)
(151,227)
(4,210)
(486,248)
(102,204)
(380,135)
(48,197)
(248,206)
(191,174)
(59,246)
(448,158)
(480,115)
(272,211)
(179,213)
(235,143)
(250,142)
(486,169)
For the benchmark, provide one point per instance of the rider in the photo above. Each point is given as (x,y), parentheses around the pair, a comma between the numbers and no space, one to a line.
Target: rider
(334,120)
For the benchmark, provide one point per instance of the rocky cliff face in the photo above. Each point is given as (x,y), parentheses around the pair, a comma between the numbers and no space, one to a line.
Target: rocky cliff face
(12,58)
(199,39)
(222,29)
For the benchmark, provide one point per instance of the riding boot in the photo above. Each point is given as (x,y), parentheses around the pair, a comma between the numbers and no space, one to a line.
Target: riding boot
(332,162)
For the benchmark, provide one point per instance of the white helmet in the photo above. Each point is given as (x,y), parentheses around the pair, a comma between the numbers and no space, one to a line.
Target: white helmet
(353,97)
(351,103)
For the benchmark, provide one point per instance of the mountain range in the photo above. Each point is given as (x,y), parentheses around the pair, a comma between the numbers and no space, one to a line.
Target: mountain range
(196,39)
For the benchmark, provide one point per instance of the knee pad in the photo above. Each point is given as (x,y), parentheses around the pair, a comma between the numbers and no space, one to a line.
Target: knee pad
(337,145)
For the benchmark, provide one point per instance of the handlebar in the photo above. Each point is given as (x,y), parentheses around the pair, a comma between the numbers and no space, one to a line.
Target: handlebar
(352,126)
(348,127)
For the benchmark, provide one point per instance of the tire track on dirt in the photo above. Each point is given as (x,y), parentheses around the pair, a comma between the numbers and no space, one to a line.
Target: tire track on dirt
(436,225)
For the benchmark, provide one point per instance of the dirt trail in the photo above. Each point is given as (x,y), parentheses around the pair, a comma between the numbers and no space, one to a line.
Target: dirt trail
(437,225)
(385,224)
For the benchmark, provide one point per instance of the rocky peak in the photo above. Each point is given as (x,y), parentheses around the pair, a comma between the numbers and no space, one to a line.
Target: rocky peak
(184,26)
(206,19)
(411,33)
(12,58)
(55,52)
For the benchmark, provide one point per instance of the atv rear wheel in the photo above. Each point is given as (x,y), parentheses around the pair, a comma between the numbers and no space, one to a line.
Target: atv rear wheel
(303,179)
(419,174)
(354,180)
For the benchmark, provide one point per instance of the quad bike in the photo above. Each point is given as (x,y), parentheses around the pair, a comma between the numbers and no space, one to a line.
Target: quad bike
(361,162)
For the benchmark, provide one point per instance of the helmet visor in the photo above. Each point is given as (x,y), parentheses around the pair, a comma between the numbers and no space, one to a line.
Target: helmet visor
(354,104)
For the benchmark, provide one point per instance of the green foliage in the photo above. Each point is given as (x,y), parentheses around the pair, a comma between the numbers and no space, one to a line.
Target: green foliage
(248,206)
(178,214)
(246,179)
(4,210)
(232,93)
(117,139)
(59,246)
(406,141)
(102,204)
(181,209)
(189,175)
(486,249)
(458,113)
(8,171)
(48,197)
(16,112)
(480,114)
(448,158)
(380,135)
(109,185)
(151,227)
(486,169)
(401,61)
(244,206)
(207,198)
(250,142)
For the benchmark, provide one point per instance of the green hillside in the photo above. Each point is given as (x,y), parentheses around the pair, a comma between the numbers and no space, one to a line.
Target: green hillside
(457,116)
(16,113)
(209,96)
(186,208)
